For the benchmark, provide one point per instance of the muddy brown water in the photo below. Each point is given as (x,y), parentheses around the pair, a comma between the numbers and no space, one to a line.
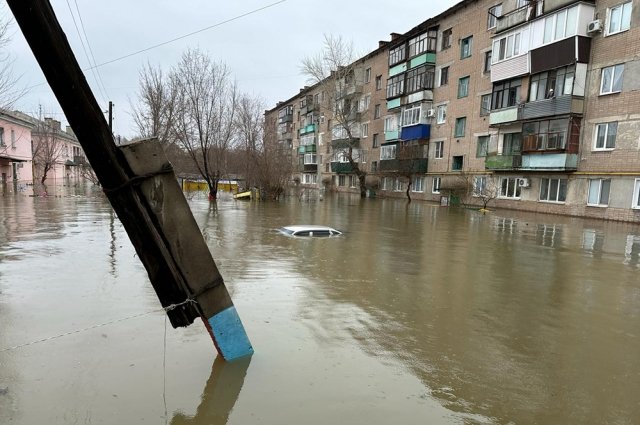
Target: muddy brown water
(417,314)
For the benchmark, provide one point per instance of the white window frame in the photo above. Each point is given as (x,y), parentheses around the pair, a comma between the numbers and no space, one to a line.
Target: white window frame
(310,159)
(606,126)
(557,194)
(615,70)
(600,182)
(441,114)
(636,195)
(494,13)
(388,152)
(513,44)
(387,183)
(622,25)
(516,188)
(411,116)
(353,180)
(479,185)
(397,185)
(367,75)
(435,185)
(308,178)
(418,184)
(553,25)
(391,123)
(438,149)
(365,130)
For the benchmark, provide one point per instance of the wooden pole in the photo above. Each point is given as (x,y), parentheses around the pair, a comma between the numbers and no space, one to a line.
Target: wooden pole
(188,286)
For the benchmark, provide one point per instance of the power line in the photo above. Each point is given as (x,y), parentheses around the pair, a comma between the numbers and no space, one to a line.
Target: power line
(189,34)
(90,49)
(93,71)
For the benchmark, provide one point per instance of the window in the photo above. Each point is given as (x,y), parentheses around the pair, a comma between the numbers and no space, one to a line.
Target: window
(457,162)
(397,185)
(423,43)
(522,3)
(342,180)
(460,126)
(374,166)
(13,138)
(438,149)
(2,137)
(395,86)
(483,146)
(376,142)
(310,178)
(506,94)
(418,184)
(487,62)
(365,129)
(353,180)
(444,76)
(390,123)
(364,103)
(606,135)
(378,82)
(506,47)
(367,75)
(557,82)
(560,25)
(435,188)
(387,183)
(636,195)
(494,12)
(447,36)
(485,105)
(510,187)
(619,18)
(441,114)
(307,140)
(599,192)
(463,87)
(387,152)
(310,158)
(512,144)
(553,190)
(410,116)
(465,47)
(397,55)
(420,78)
(479,185)
(611,81)
(545,135)
(376,111)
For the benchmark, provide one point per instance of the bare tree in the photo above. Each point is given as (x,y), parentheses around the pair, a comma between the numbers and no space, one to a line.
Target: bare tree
(10,91)
(250,135)
(273,164)
(485,189)
(155,111)
(47,149)
(206,104)
(340,78)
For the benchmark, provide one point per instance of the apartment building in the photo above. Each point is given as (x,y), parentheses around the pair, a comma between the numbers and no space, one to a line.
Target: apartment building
(16,160)
(534,104)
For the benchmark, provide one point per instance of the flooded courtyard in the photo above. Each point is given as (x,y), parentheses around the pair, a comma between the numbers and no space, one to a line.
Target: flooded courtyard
(417,314)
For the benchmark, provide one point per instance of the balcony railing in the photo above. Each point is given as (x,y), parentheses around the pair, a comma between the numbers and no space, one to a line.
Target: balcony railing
(341,167)
(546,161)
(503,162)
(560,105)
(307,149)
(416,165)
(308,129)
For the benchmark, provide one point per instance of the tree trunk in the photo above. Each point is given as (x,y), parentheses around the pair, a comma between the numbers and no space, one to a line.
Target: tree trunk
(44,174)
(363,186)
(408,191)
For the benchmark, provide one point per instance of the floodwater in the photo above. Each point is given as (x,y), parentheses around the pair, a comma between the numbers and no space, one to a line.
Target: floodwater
(418,314)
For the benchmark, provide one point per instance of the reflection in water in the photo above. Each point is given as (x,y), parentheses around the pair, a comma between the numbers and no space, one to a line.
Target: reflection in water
(219,395)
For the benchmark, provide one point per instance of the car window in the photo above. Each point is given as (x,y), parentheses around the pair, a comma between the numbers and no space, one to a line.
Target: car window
(302,233)
(321,233)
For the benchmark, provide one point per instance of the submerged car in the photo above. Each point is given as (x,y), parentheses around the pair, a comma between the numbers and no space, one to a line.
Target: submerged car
(309,230)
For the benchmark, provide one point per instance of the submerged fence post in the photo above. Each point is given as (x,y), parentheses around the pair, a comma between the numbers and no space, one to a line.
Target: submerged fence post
(143,191)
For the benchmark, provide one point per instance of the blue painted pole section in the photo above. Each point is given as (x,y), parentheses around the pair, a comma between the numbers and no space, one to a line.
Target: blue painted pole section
(229,334)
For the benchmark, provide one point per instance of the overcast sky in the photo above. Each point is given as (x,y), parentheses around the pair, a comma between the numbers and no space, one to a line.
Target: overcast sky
(263,49)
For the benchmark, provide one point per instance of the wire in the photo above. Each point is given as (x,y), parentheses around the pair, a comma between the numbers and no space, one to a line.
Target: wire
(90,49)
(93,70)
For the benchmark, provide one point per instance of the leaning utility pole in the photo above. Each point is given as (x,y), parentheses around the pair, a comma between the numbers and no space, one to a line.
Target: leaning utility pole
(143,190)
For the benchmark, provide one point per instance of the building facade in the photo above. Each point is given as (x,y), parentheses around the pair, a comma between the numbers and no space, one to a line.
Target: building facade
(535,107)
(16,159)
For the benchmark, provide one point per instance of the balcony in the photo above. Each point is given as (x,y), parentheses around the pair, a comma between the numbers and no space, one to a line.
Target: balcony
(391,135)
(80,160)
(560,105)
(546,161)
(511,19)
(285,118)
(395,103)
(308,129)
(503,116)
(341,168)
(307,149)
(510,68)
(345,143)
(428,57)
(415,132)
(307,168)
(416,165)
(502,162)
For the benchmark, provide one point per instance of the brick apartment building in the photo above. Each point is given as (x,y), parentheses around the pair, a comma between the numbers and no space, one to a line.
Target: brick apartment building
(537,105)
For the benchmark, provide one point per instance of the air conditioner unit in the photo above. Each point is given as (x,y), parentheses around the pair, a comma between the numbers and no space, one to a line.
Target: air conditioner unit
(524,182)
(594,26)
(431,113)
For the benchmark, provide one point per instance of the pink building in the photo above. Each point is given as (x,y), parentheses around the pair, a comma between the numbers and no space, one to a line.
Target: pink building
(16,159)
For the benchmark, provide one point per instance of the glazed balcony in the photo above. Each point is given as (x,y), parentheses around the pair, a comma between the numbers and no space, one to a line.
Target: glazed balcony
(307,168)
(504,115)
(307,149)
(560,105)
(308,129)
(341,167)
(502,162)
(415,132)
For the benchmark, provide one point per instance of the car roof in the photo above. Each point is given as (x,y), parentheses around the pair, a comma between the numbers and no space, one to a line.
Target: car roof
(297,227)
